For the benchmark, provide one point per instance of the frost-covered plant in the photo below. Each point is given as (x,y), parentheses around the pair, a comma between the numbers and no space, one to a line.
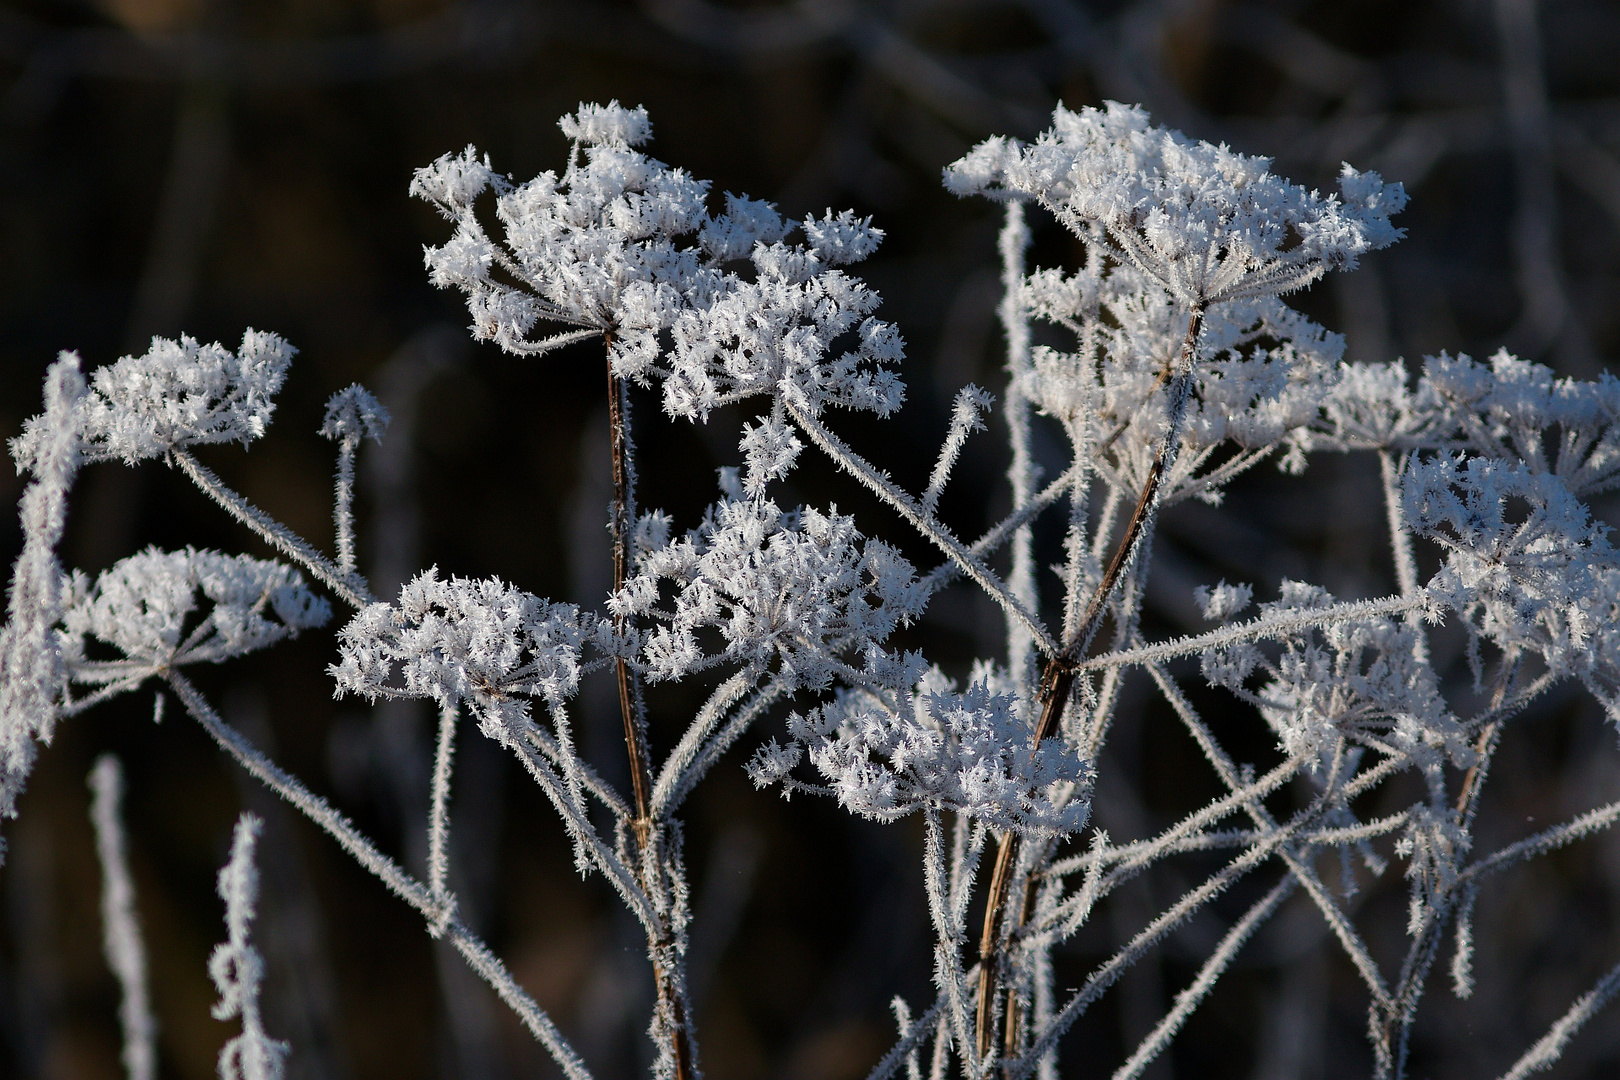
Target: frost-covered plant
(1182,368)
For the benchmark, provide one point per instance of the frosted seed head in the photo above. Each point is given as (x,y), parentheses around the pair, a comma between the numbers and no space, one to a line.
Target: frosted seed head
(353,414)
(607,125)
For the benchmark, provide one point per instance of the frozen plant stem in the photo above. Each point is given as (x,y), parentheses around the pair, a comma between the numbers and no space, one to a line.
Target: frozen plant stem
(121,932)
(1057,684)
(672,1003)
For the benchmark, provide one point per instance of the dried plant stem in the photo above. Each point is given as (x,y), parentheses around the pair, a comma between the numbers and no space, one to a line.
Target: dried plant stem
(348,585)
(1057,680)
(661,941)
(390,873)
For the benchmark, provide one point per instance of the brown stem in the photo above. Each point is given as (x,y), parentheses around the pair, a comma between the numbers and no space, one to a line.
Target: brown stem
(1057,682)
(671,999)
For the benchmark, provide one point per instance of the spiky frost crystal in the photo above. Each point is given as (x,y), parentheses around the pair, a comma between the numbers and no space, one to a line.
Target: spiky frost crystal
(475,640)
(622,246)
(1207,223)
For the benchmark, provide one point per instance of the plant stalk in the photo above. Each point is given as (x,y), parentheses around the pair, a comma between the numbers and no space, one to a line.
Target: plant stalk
(671,998)
(1057,684)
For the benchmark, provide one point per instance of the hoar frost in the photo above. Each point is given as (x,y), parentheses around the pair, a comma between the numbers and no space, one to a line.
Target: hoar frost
(885,757)
(475,640)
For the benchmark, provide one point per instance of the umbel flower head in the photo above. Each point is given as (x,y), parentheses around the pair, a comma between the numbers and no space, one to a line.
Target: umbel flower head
(176,394)
(475,640)
(1207,223)
(623,246)
(968,751)
(145,606)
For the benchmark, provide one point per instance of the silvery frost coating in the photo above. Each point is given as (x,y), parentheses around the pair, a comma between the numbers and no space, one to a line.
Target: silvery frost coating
(1208,224)
(178,394)
(475,640)
(1186,369)
(800,587)
(888,755)
(622,246)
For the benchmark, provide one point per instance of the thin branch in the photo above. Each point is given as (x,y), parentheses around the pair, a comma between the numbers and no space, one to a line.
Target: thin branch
(1190,998)
(120,929)
(350,586)
(1257,629)
(1550,1046)
(399,882)
(439,808)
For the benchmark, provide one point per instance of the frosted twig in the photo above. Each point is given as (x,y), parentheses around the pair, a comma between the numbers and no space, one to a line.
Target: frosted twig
(673,776)
(711,751)
(1190,998)
(903,1051)
(1542,842)
(1550,1046)
(1259,629)
(237,969)
(343,506)
(31,675)
(970,402)
(889,492)
(1005,529)
(350,586)
(400,883)
(1104,976)
(1022,472)
(439,812)
(120,929)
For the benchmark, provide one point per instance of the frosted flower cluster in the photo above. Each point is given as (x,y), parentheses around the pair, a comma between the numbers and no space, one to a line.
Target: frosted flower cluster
(146,607)
(1264,374)
(623,246)
(753,583)
(177,394)
(354,414)
(1525,564)
(1506,408)
(475,640)
(965,751)
(1207,223)
(1365,679)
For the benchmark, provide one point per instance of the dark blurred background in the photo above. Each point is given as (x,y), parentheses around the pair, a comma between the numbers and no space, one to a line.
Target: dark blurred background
(205,165)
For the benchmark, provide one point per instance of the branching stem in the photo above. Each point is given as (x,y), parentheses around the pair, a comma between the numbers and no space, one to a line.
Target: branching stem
(670,986)
(1057,680)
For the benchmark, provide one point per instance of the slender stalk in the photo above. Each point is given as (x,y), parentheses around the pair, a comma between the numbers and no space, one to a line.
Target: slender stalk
(1057,680)
(661,941)
(343,505)
(400,883)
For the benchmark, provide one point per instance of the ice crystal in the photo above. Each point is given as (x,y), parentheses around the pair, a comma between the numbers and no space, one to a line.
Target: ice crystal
(966,751)
(480,641)
(178,394)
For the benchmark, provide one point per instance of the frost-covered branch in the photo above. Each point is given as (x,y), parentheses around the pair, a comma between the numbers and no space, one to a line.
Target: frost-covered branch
(120,929)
